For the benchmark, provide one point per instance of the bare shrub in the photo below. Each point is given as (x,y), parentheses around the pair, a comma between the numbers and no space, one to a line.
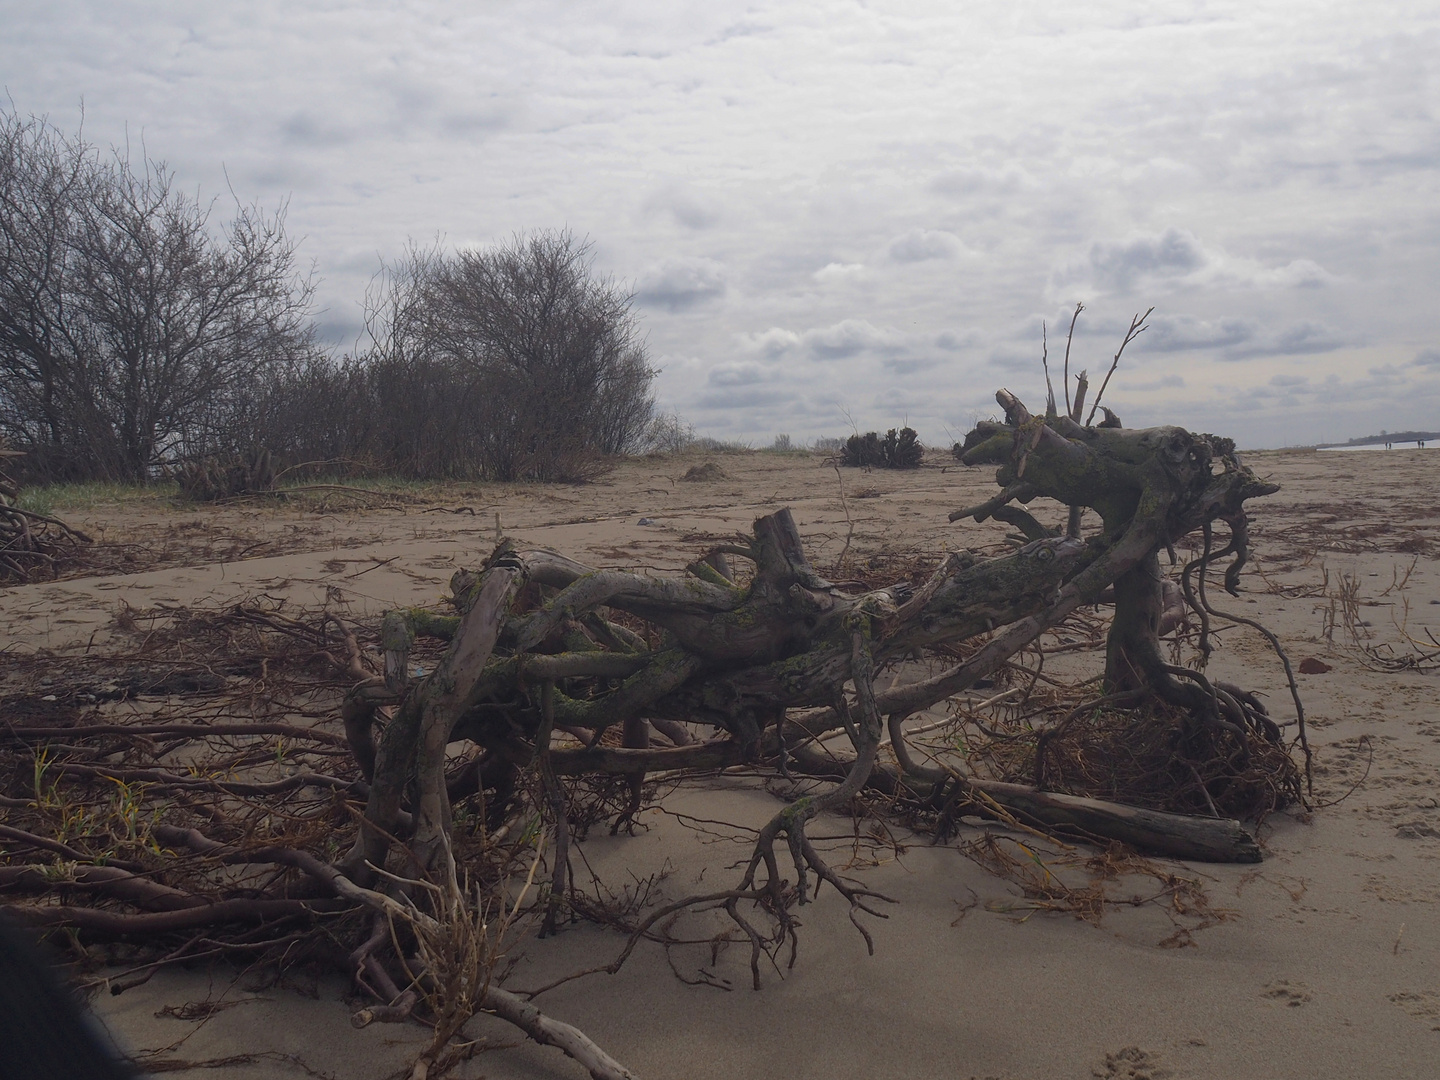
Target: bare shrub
(721,446)
(132,334)
(667,434)
(553,354)
(508,363)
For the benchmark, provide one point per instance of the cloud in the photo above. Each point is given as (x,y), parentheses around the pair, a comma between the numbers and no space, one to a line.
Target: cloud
(833,273)
(954,341)
(1165,382)
(1427,358)
(1182,333)
(1175,259)
(1302,338)
(972,181)
(749,397)
(1239,339)
(843,339)
(1296,274)
(479,120)
(736,375)
(685,205)
(909,367)
(848,338)
(1015,358)
(923,245)
(303,129)
(1118,266)
(772,344)
(681,284)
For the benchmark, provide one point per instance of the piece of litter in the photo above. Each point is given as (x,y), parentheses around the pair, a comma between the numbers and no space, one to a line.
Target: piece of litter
(645,521)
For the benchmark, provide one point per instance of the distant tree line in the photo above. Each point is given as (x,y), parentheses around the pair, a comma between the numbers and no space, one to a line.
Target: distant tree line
(136,336)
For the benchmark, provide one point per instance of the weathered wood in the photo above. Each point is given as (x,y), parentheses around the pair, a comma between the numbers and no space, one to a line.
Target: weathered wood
(1180,836)
(415,741)
(548,1031)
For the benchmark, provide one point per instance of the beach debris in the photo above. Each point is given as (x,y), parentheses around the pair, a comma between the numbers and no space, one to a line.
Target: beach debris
(32,544)
(897,450)
(440,825)
(216,479)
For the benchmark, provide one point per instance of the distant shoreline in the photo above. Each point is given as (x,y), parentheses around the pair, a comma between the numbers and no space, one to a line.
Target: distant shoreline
(1430,444)
(1394,439)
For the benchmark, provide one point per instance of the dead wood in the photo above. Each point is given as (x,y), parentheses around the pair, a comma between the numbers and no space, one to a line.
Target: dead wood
(549,677)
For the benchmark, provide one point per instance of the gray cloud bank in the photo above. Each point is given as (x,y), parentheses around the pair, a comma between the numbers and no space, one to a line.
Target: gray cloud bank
(828,211)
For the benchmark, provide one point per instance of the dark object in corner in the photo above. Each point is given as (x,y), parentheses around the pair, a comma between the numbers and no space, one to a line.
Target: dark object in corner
(44,1034)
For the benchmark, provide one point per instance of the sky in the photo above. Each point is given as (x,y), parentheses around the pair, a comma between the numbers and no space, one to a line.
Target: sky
(836,215)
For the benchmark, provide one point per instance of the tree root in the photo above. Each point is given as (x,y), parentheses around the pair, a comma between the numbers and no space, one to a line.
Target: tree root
(557,674)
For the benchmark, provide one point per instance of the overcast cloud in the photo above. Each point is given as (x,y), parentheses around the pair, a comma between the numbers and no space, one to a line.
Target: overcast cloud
(831,210)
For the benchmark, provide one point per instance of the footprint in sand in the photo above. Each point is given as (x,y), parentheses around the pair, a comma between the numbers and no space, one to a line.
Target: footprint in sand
(1286,992)
(1131,1063)
(1419,829)
(1423,1005)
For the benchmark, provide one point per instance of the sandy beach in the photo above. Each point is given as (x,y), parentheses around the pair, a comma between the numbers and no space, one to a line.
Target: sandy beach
(1323,961)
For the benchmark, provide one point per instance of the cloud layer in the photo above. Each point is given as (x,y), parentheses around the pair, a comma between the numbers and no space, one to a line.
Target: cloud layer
(831,212)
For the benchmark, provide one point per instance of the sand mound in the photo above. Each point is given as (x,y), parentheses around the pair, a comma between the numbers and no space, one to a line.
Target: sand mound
(700,473)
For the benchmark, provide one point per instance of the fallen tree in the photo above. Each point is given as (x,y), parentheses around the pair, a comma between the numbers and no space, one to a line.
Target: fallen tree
(749,657)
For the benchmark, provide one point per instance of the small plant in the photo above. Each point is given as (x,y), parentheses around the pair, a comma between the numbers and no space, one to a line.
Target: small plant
(129,801)
(44,798)
(457,947)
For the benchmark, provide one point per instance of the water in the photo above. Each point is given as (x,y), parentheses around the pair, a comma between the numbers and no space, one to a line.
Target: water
(1430,444)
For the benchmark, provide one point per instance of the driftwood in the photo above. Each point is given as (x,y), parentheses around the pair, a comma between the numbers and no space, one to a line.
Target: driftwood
(719,667)
(1179,836)
(786,657)
(775,661)
(30,542)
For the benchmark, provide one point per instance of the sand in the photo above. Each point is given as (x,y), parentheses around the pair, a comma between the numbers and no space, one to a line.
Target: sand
(1325,964)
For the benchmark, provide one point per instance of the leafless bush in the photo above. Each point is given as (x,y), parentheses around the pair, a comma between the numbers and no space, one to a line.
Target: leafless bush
(721,446)
(131,334)
(509,363)
(135,337)
(668,434)
(559,371)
